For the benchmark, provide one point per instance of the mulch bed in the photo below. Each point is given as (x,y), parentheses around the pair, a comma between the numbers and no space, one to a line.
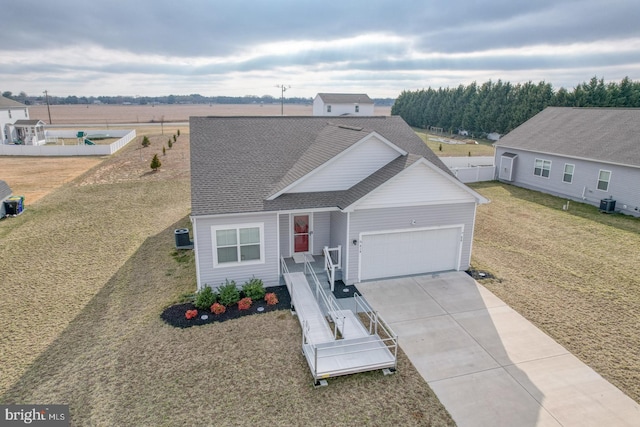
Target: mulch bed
(479,275)
(340,290)
(175,314)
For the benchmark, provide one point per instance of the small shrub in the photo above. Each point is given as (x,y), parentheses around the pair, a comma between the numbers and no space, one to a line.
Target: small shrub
(164,151)
(178,132)
(254,289)
(271,298)
(155,163)
(174,138)
(440,147)
(229,293)
(244,303)
(205,298)
(145,141)
(190,314)
(170,144)
(218,308)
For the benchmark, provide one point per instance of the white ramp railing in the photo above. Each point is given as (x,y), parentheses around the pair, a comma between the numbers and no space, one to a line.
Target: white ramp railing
(332,262)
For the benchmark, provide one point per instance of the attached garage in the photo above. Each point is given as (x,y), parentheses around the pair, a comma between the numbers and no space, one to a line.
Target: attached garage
(411,251)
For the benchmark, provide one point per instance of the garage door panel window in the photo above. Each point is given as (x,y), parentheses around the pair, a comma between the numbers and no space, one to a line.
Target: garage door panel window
(237,245)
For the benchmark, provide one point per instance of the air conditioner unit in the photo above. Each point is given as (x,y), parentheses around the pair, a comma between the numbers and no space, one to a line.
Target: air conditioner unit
(607,205)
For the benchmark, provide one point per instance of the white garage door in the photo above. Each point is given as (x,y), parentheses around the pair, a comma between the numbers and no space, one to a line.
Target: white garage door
(409,252)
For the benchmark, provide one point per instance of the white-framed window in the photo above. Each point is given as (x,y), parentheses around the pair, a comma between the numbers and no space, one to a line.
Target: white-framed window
(542,168)
(238,244)
(9,113)
(567,176)
(604,177)
(357,108)
(328,108)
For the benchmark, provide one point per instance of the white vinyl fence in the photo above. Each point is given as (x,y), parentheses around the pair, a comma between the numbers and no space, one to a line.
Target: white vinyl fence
(471,169)
(126,136)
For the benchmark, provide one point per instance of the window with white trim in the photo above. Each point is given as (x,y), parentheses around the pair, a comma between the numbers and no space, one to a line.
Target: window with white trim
(357,108)
(567,176)
(603,180)
(542,168)
(238,244)
(328,108)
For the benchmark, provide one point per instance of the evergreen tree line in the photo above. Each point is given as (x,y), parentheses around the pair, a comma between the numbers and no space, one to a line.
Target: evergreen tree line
(501,106)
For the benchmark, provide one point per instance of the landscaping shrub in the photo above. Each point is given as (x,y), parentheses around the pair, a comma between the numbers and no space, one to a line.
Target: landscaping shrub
(254,289)
(205,298)
(244,303)
(271,298)
(229,294)
(218,308)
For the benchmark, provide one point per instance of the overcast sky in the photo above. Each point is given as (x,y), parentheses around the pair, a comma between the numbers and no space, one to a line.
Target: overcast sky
(247,47)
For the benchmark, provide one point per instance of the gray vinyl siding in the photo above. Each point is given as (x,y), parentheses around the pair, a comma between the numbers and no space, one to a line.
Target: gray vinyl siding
(321,231)
(214,277)
(285,244)
(339,233)
(401,218)
(623,184)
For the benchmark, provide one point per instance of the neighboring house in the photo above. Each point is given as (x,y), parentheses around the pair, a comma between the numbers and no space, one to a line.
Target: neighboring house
(583,154)
(5,193)
(342,104)
(10,112)
(269,187)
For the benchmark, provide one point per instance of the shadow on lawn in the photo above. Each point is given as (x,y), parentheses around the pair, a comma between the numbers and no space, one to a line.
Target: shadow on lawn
(71,368)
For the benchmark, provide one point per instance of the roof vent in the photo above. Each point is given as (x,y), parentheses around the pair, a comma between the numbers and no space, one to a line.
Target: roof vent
(350,127)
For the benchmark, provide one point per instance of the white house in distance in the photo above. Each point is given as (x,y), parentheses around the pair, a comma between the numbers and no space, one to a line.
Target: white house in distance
(15,125)
(342,104)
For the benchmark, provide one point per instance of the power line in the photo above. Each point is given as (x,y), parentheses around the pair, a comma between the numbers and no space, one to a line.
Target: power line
(283,89)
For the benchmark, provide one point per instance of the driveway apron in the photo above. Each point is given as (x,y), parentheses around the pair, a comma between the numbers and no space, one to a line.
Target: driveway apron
(487,364)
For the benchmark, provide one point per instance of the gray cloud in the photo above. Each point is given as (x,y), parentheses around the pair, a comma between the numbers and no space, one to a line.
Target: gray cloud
(211,39)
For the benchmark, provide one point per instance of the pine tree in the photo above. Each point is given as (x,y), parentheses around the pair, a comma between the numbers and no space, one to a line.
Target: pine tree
(155,163)
(170,144)
(164,151)
(145,141)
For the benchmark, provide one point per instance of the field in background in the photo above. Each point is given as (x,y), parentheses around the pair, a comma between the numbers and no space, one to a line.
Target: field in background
(110,114)
(483,148)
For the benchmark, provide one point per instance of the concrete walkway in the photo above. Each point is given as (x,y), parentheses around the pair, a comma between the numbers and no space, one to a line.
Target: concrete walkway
(487,364)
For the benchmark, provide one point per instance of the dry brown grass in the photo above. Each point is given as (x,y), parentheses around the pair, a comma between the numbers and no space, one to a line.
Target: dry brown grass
(91,266)
(574,274)
(109,114)
(454,150)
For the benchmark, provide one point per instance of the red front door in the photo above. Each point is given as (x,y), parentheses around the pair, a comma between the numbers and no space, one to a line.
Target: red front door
(301,233)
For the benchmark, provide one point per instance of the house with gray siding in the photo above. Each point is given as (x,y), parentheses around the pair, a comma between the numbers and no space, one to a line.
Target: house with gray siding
(5,193)
(582,154)
(266,188)
(342,104)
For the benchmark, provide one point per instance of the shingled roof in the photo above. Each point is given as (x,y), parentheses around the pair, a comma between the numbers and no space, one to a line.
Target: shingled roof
(345,98)
(610,135)
(6,103)
(5,191)
(238,162)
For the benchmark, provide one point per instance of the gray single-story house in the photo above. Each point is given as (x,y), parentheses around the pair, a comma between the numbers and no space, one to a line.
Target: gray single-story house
(266,188)
(5,193)
(583,154)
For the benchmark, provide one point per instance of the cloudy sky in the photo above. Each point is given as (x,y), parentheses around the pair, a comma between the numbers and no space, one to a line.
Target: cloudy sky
(247,47)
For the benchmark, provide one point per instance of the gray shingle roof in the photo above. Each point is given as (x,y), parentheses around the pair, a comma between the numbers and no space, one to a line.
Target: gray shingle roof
(345,98)
(238,162)
(5,191)
(609,135)
(6,103)
(27,122)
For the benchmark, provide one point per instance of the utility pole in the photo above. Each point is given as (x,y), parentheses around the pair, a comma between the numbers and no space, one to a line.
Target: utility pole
(46,94)
(283,89)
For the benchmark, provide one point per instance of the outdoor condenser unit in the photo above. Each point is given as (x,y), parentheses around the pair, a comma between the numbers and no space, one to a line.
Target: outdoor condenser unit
(607,205)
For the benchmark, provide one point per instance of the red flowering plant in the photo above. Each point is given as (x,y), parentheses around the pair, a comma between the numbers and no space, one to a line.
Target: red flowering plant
(244,303)
(190,314)
(218,308)
(271,298)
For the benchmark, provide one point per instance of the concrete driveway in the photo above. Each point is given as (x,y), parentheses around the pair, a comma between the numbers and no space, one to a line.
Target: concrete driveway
(488,365)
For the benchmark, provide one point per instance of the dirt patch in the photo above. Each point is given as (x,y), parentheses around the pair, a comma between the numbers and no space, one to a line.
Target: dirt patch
(35,177)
